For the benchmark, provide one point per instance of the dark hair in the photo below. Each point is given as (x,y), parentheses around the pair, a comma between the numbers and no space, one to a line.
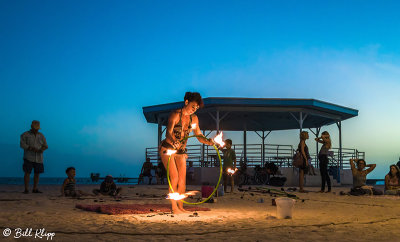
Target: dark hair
(229,141)
(398,171)
(358,162)
(194,97)
(69,168)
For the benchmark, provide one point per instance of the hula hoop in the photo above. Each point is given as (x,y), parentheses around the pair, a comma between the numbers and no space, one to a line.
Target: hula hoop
(219,180)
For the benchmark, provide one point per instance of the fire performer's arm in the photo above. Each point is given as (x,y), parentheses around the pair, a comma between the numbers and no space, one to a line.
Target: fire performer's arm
(201,138)
(172,120)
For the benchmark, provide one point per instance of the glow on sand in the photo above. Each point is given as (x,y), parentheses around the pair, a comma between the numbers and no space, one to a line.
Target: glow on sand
(217,140)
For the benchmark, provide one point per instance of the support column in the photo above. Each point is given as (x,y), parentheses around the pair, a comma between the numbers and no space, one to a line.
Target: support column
(245,144)
(217,121)
(339,124)
(263,150)
(159,137)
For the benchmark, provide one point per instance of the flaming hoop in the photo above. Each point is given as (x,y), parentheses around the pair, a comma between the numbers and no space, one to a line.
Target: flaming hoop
(182,196)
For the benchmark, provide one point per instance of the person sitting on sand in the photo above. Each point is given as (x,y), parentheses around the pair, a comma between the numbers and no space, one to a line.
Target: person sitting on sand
(108,187)
(68,187)
(146,171)
(360,178)
(392,181)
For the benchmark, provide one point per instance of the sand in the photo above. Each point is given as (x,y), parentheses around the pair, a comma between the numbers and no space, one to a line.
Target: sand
(321,217)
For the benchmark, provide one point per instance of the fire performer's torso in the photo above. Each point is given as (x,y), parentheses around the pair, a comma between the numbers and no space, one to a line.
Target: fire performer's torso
(179,133)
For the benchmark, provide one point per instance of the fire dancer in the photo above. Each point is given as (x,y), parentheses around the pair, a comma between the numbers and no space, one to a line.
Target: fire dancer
(180,123)
(229,162)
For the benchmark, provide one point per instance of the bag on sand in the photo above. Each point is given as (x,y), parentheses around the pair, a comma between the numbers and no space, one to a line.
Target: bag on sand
(297,159)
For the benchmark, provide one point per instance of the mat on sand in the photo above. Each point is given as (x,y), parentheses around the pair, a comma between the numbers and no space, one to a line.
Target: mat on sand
(114,209)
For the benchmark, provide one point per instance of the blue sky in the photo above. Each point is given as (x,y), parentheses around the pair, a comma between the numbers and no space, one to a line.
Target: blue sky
(86,68)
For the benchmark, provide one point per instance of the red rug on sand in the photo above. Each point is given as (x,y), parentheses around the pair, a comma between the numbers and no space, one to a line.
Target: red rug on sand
(114,209)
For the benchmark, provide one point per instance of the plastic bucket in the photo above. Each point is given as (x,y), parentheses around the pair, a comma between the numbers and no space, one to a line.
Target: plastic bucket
(206,191)
(284,207)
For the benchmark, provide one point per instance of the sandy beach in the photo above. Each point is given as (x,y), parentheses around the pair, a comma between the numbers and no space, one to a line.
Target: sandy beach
(321,217)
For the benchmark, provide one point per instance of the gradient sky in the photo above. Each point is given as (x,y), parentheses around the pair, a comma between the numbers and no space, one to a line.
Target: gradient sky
(85,69)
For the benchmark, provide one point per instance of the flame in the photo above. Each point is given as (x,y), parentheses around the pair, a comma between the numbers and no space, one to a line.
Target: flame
(176,196)
(194,126)
(231,172)
(218,140)
(171,152)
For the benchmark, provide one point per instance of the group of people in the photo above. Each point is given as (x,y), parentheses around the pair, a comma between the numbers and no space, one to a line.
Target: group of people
(181,123)
(325,140)
(34,144)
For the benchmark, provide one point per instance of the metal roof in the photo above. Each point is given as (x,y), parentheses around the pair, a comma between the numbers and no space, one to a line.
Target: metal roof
(257,114)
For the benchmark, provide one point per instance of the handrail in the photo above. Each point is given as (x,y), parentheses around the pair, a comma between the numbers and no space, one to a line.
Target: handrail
(277,153)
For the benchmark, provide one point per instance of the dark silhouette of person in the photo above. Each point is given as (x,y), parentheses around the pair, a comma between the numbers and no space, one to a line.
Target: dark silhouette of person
(34,143)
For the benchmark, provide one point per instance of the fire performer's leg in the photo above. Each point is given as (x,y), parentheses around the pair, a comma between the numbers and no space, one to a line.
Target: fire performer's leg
(173,174)
(181,166)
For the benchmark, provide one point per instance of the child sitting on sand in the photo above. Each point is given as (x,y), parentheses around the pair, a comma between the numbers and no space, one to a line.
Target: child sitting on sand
(68,187)
(108,187)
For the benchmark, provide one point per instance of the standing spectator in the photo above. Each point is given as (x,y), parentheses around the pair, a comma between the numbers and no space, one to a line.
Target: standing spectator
(228,162)
(34,143)
(303,148)
(160,173)
(325,139)
(146,171)
(190,173)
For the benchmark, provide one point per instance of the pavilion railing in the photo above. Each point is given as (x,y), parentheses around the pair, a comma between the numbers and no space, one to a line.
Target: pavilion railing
(281,155)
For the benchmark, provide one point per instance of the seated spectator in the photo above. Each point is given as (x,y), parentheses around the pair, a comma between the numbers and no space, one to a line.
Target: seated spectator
(108,187)
(360,178)
(146,171)
(392,181)
(68,187)
(161,173)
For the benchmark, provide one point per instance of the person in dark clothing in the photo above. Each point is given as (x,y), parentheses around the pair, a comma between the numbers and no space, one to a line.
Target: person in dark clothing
(323,159)
(146,171)
(161,173)
(306,158)
(108,187)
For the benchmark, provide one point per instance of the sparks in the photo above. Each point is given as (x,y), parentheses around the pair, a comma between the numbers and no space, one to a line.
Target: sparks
(218,140)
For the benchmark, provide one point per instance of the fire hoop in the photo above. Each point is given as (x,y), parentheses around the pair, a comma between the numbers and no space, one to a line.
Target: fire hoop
(219,180)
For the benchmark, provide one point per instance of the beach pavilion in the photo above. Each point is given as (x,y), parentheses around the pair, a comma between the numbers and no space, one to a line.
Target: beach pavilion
(262,116)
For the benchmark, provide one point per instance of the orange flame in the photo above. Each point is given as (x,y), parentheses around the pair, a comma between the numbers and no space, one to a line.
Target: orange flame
(218,140)
(176,196)
(231,172)
(171,152)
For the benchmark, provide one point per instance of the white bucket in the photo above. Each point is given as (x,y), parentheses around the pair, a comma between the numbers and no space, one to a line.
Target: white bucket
(284,207)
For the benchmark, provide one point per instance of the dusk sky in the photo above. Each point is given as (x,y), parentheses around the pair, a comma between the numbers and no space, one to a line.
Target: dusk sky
(85,69)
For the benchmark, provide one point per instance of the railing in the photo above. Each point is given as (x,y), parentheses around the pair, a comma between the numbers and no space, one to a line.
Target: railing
(281,155)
